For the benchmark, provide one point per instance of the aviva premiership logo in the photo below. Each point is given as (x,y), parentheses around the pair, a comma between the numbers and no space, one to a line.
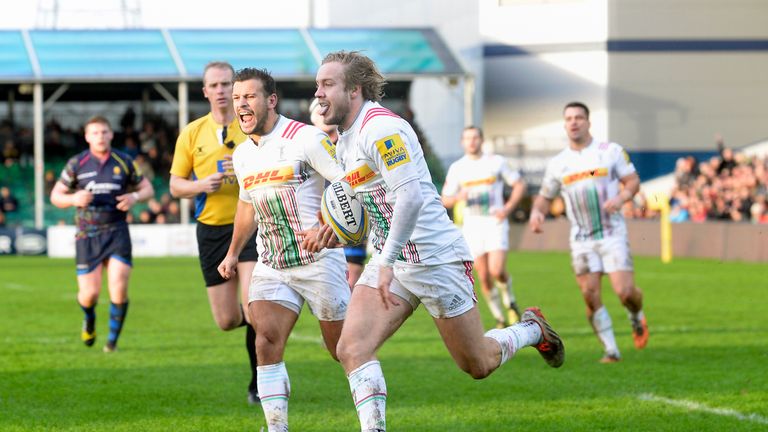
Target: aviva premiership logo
(328,146)
(393,151)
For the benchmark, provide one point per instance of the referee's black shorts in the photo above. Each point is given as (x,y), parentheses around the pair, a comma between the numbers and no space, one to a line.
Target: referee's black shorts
(212,245)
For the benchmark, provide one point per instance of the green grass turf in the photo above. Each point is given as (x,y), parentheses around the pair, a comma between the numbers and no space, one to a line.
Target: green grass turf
(176,371)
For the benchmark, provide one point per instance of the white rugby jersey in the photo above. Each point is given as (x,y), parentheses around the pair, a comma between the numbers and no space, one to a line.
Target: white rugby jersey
(283,176)
(484,179)
(586,179)
(379,153)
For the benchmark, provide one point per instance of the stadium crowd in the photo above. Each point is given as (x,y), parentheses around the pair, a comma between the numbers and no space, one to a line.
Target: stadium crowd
(151,146)
(728,187)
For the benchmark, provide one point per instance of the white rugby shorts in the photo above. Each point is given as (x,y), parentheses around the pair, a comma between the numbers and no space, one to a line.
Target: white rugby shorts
(322,284)
(608,255)
(485,234)
(446,290)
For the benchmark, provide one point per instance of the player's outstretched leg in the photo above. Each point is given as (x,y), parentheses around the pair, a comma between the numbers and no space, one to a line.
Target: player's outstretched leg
(551,346)
(533,330)
(88,333)
(639,329)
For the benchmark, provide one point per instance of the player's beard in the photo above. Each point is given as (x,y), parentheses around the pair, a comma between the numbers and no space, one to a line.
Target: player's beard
(338,112)
(261,114)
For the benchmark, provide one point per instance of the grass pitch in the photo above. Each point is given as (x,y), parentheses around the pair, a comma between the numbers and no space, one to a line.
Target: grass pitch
(704,367)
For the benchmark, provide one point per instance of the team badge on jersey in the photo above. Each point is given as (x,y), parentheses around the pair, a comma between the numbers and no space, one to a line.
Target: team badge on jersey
(329,146)
(116,170)
(392,149)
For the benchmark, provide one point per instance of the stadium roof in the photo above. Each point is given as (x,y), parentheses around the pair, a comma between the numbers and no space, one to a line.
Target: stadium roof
(32,56)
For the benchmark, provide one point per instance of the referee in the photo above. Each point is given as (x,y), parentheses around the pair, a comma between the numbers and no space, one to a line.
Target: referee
(202,169)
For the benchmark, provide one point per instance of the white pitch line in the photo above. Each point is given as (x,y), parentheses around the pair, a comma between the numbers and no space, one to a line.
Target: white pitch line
(305,338)
(15,286)
(696,406)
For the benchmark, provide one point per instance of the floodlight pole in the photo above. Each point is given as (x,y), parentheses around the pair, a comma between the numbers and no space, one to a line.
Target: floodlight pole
(183,120)
(39,157)
(469,100)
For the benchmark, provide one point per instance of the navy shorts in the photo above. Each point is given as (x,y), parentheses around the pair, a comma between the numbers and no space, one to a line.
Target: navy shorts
(212,245)
(355,254)
(94,250)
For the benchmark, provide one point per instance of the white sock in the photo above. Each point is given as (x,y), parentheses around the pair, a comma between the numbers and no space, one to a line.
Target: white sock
(635,317)
(494,304)
(515,337)
(505,288)
(601,322)
(369,393)
(274,389)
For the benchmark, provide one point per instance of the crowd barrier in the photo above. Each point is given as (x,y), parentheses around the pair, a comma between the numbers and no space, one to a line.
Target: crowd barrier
(148,240)
(724,241)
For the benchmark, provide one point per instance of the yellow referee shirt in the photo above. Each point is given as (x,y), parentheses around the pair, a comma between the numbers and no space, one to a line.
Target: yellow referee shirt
(200,152)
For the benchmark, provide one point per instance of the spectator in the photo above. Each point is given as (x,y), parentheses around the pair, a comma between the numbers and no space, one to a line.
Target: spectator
(8,202)
(50,180)
(130,147)
(759,210)
(10,151)
(145,167)
(173,212)
(146,217)
(679,208)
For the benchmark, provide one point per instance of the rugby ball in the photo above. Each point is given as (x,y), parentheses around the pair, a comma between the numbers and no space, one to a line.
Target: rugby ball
(344,213)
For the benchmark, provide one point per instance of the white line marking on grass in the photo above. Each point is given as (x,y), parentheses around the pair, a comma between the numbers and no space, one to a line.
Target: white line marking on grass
(661,329)
(15,286)
(305,338)
(696,406)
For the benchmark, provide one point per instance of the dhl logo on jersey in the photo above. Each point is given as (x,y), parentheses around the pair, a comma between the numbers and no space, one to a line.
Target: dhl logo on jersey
(479,182)
(269,177)
(360,176)
(573,178)
(393,151)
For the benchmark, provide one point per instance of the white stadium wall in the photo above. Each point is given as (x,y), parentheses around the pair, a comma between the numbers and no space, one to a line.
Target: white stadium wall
(540,55)
(680,101)
(664,99)
(661,75)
